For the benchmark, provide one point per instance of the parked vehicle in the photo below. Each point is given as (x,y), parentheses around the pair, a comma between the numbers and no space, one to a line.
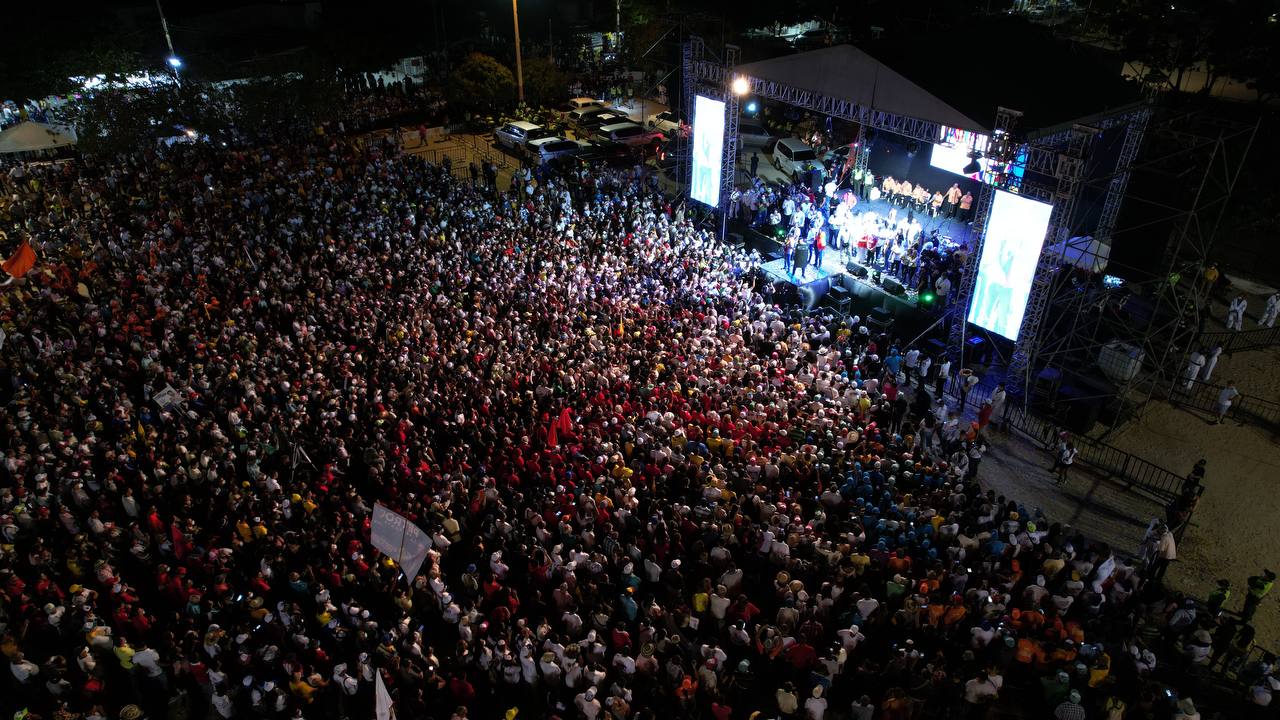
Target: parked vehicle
(514,134)
(580,103)
(548,149)
(627,133)
(585,113)
(666,122)
(791,156)
(605,152)
(600,119)
(753,132)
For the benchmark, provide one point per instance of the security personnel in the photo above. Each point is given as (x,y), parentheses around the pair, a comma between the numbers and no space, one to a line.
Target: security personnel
(1259,586)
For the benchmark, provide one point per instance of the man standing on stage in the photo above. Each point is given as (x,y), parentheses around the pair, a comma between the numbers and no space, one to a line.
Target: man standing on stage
(966,202)
(953,199)
(819,244)
(789,252)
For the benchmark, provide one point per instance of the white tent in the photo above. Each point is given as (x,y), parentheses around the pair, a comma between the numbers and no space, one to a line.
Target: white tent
(1084,252)
(844,71)
(34,137)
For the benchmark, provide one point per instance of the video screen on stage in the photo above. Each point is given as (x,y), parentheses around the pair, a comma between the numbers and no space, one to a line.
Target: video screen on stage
(953,148)
(1015,234)
(708,148)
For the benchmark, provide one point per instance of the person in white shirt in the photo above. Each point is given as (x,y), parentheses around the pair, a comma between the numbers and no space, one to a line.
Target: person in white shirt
(1210,362)
(1235,313)
(24,671)
(1194,364)
(1272,309)
(816,706)
(1226,397)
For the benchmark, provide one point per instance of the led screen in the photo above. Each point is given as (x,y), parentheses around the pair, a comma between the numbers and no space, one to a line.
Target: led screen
(951,153)
(1015,233)
(953,148)
(708,147)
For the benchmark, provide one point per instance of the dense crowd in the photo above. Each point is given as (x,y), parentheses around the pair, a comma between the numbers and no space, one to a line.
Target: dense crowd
(649,490)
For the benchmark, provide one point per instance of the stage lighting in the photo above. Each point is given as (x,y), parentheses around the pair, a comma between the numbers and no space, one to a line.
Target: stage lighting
(175,62)
(753,107)
(741,86)
(926,298)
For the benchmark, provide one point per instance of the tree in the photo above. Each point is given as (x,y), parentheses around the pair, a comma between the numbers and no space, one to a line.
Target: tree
(544,83)
(481,82)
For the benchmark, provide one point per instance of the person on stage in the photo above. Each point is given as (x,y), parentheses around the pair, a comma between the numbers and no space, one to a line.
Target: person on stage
(906,192)
(789,251)
(953,199)
(890,188)
(966,203)
(935,204)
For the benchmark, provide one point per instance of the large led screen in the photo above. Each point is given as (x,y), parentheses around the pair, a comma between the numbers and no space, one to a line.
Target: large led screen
(1015,234)
(708,147)
(951,153)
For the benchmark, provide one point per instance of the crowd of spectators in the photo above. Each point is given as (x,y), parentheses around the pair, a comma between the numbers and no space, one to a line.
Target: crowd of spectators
(649,490)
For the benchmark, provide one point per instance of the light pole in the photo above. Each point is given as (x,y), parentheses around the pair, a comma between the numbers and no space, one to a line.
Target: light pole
(173,60)
(515,16)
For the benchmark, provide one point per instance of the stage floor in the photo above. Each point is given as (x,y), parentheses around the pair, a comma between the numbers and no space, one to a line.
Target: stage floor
(834,264)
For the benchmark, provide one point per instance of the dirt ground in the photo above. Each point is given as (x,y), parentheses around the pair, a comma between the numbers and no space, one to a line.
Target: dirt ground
(1231,535)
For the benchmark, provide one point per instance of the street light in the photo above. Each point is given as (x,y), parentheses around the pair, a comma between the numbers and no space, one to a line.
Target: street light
(741,86)
(515,17)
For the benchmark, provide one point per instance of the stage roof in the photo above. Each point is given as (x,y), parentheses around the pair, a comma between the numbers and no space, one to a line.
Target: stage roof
(844,71)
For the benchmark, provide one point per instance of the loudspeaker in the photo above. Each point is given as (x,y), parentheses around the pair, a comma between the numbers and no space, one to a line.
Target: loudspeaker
(892,286)
(856,270)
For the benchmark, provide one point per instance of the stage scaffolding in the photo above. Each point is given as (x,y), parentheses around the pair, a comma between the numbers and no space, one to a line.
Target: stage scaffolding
(695,54)
(1200,156)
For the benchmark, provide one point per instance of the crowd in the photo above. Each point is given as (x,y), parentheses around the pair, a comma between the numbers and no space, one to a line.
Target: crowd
(649,490)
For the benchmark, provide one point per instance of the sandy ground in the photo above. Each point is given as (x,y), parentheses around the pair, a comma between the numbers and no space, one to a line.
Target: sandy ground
(1231,535)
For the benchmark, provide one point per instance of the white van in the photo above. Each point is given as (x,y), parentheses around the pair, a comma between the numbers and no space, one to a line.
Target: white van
(791,156)
(581,103)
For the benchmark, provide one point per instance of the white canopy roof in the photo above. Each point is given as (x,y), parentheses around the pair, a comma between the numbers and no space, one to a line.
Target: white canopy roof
(33,136)
(844,71)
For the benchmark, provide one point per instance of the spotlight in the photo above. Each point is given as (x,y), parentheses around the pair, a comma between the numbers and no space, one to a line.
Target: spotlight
(175,62)
(741,86)
(752,107)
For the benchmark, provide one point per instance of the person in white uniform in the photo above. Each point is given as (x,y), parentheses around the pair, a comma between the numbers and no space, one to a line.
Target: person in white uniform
(1235,313)
(1195,364)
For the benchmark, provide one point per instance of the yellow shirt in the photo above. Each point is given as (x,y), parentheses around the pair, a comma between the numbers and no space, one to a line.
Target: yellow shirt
(125,654)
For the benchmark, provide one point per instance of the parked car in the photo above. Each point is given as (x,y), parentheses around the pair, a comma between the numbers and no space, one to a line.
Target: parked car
(605,152)
(586,113)
(791,156)
(627,133)
(753,132)
(580,103)
(667,122)
(838,155)
(600,119)
(547,149)
(514,134)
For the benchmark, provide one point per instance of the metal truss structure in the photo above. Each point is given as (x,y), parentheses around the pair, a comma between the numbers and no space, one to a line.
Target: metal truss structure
(1189,162)
(695,54)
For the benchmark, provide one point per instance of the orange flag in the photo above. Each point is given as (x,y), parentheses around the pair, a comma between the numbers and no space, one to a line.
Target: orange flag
(21,262)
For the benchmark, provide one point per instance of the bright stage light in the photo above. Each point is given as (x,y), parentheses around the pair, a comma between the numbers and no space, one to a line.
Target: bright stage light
(741,86)
(753,106)
(175,62)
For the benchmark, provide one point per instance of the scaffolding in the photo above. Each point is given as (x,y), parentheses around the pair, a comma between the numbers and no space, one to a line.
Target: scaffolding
(1157,316)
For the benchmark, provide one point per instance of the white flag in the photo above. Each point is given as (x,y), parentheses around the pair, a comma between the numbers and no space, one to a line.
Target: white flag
(382,701)
(399,539)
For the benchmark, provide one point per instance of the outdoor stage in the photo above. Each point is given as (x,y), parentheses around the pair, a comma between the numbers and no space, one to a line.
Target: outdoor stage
(834,264)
